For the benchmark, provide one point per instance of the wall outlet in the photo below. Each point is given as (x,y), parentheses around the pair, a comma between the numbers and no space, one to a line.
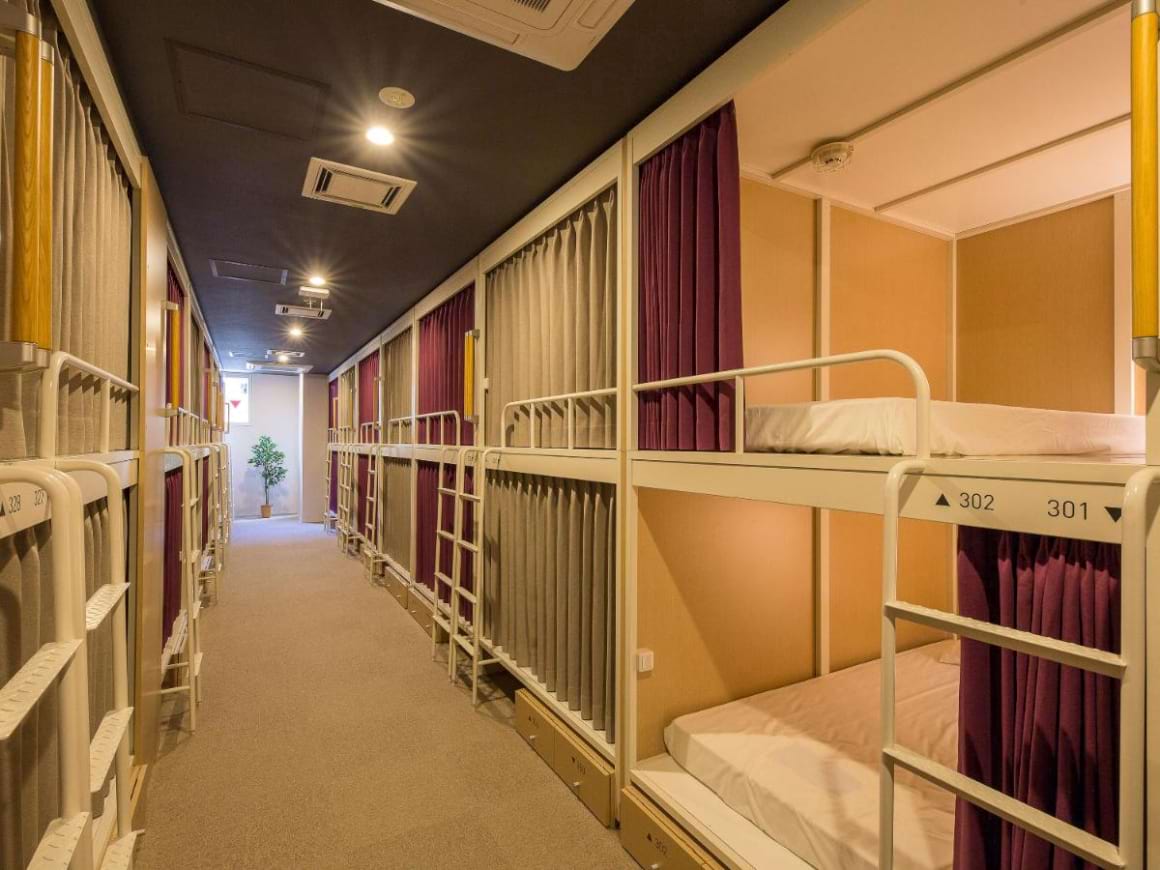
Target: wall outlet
(645,659)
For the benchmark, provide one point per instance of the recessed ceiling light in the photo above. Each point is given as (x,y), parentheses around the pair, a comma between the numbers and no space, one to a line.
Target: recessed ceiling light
(296,331)
(317,280)
(380,136)
(397,98)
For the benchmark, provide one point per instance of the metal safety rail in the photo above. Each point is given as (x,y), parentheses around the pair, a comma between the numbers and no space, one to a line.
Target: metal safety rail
(401,424)
(188,429)
(442,417)
(182,654)
(917,378)
(533,408)
(58,362)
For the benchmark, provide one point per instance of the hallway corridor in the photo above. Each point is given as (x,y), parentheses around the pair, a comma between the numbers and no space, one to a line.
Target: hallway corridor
(329,739)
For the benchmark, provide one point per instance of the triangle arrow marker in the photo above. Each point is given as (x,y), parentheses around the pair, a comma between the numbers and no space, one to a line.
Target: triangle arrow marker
(1114,513)
(942,501)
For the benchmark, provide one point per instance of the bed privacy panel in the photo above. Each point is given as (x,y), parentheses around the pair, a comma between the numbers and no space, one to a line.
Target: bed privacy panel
(551,320)
(690,285)
(1036,305)
(550,586)
(396,381)
(426,517)
(441,336)
(92,246)
(331,423)
(368,391)
(1046,734)
(29,767)
(889,287)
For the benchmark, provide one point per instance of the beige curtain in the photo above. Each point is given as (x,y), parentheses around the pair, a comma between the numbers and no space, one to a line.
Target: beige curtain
(549,594)
(92,243)
(396,380)
(551,321)
(397,518)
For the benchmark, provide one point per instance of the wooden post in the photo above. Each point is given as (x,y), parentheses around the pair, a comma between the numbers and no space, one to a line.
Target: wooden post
(1145,302)
(26,190)
(44,207)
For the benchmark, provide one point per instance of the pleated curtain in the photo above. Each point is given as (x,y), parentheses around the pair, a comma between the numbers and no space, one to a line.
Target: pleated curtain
(332,421)
(397,515)
(690,285)
(551,318)
(92,246)
(426,516)
(171,558)
(549,586)
(1036,730)
(441,335)
(396,383)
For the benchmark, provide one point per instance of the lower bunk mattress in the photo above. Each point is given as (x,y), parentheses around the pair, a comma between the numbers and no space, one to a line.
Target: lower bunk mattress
(801,762)
(885,426)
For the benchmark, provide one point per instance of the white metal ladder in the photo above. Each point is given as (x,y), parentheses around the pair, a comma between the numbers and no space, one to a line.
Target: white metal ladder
(182,653)
(1127,667)
(345,523)
(467,635)
(441,614)
(370,530)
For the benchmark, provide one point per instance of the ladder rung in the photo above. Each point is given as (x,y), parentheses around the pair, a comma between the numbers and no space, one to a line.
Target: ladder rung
(29,684)
(105,743)
(197,664)
(119,855)
(466,595)
(444,579)
(467,545)
(102,604)
(447,491)
(1041,824)
(1072,654)
(446,535)
(441,621)
(469,496)
(59,843)
(465,644)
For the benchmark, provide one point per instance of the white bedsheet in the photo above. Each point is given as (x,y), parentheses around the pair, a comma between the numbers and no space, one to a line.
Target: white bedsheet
(801,762)
(886,426)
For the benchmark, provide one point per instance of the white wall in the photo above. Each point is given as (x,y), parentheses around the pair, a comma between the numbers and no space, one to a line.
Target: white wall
(312,409)
(273,412)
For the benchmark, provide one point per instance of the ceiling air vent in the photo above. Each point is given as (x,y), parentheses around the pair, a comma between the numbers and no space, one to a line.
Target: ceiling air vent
(233,270)
(361,188)
(276,368)
(559,33)
(303,311)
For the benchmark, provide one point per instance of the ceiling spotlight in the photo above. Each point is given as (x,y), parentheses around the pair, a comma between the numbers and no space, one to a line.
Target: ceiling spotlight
(317,280)
(296,331)
(380,136)
(283,358)
(397,98)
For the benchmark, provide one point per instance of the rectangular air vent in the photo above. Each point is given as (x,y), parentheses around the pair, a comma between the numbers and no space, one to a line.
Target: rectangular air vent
(234,270)
(303,311)
(292,354)
(361,188)
(276,368)
(560,33)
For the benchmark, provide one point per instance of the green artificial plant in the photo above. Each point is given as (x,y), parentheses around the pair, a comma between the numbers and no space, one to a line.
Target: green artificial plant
(269,460)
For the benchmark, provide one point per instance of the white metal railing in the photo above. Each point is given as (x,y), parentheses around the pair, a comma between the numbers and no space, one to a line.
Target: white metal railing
(368,433)
(909,364)
(50,399)
(442,417)
(533,407)
(401,423)
(187,429)
(1127,667)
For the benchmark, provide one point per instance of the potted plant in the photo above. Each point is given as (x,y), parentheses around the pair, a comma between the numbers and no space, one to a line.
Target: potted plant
(268,459)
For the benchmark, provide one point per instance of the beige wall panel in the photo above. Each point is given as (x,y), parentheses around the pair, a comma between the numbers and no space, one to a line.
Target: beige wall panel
(778,280)
(1036,312)
(889,288)
(151,259)
(726,592)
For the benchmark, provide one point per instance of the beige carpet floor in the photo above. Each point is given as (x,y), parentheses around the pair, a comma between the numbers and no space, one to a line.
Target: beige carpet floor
(328,738)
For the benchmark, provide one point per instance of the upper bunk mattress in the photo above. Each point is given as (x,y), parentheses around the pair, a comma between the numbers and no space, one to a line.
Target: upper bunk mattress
(886,426)
(801,762)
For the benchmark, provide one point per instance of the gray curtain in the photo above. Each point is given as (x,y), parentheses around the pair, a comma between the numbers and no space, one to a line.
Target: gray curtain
(551,320)
(92,244)
(396,379)
(550,579)
(397,518)
(29,766)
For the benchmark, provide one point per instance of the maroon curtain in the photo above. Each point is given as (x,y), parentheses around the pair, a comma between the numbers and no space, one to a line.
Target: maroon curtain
(175,294)
(1044,733)
(690,285)
(171,558)
(426,505)
(441,364)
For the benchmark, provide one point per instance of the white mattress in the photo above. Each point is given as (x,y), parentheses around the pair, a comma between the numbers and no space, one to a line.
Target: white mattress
(801,762)
(886,426)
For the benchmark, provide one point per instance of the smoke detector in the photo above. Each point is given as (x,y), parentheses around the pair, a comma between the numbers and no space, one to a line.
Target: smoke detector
(831,156)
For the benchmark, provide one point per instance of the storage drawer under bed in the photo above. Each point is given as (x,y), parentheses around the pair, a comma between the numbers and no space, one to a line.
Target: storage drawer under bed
(654,841)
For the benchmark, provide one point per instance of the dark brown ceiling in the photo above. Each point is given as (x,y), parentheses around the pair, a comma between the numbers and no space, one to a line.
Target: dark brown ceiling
(231,99)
